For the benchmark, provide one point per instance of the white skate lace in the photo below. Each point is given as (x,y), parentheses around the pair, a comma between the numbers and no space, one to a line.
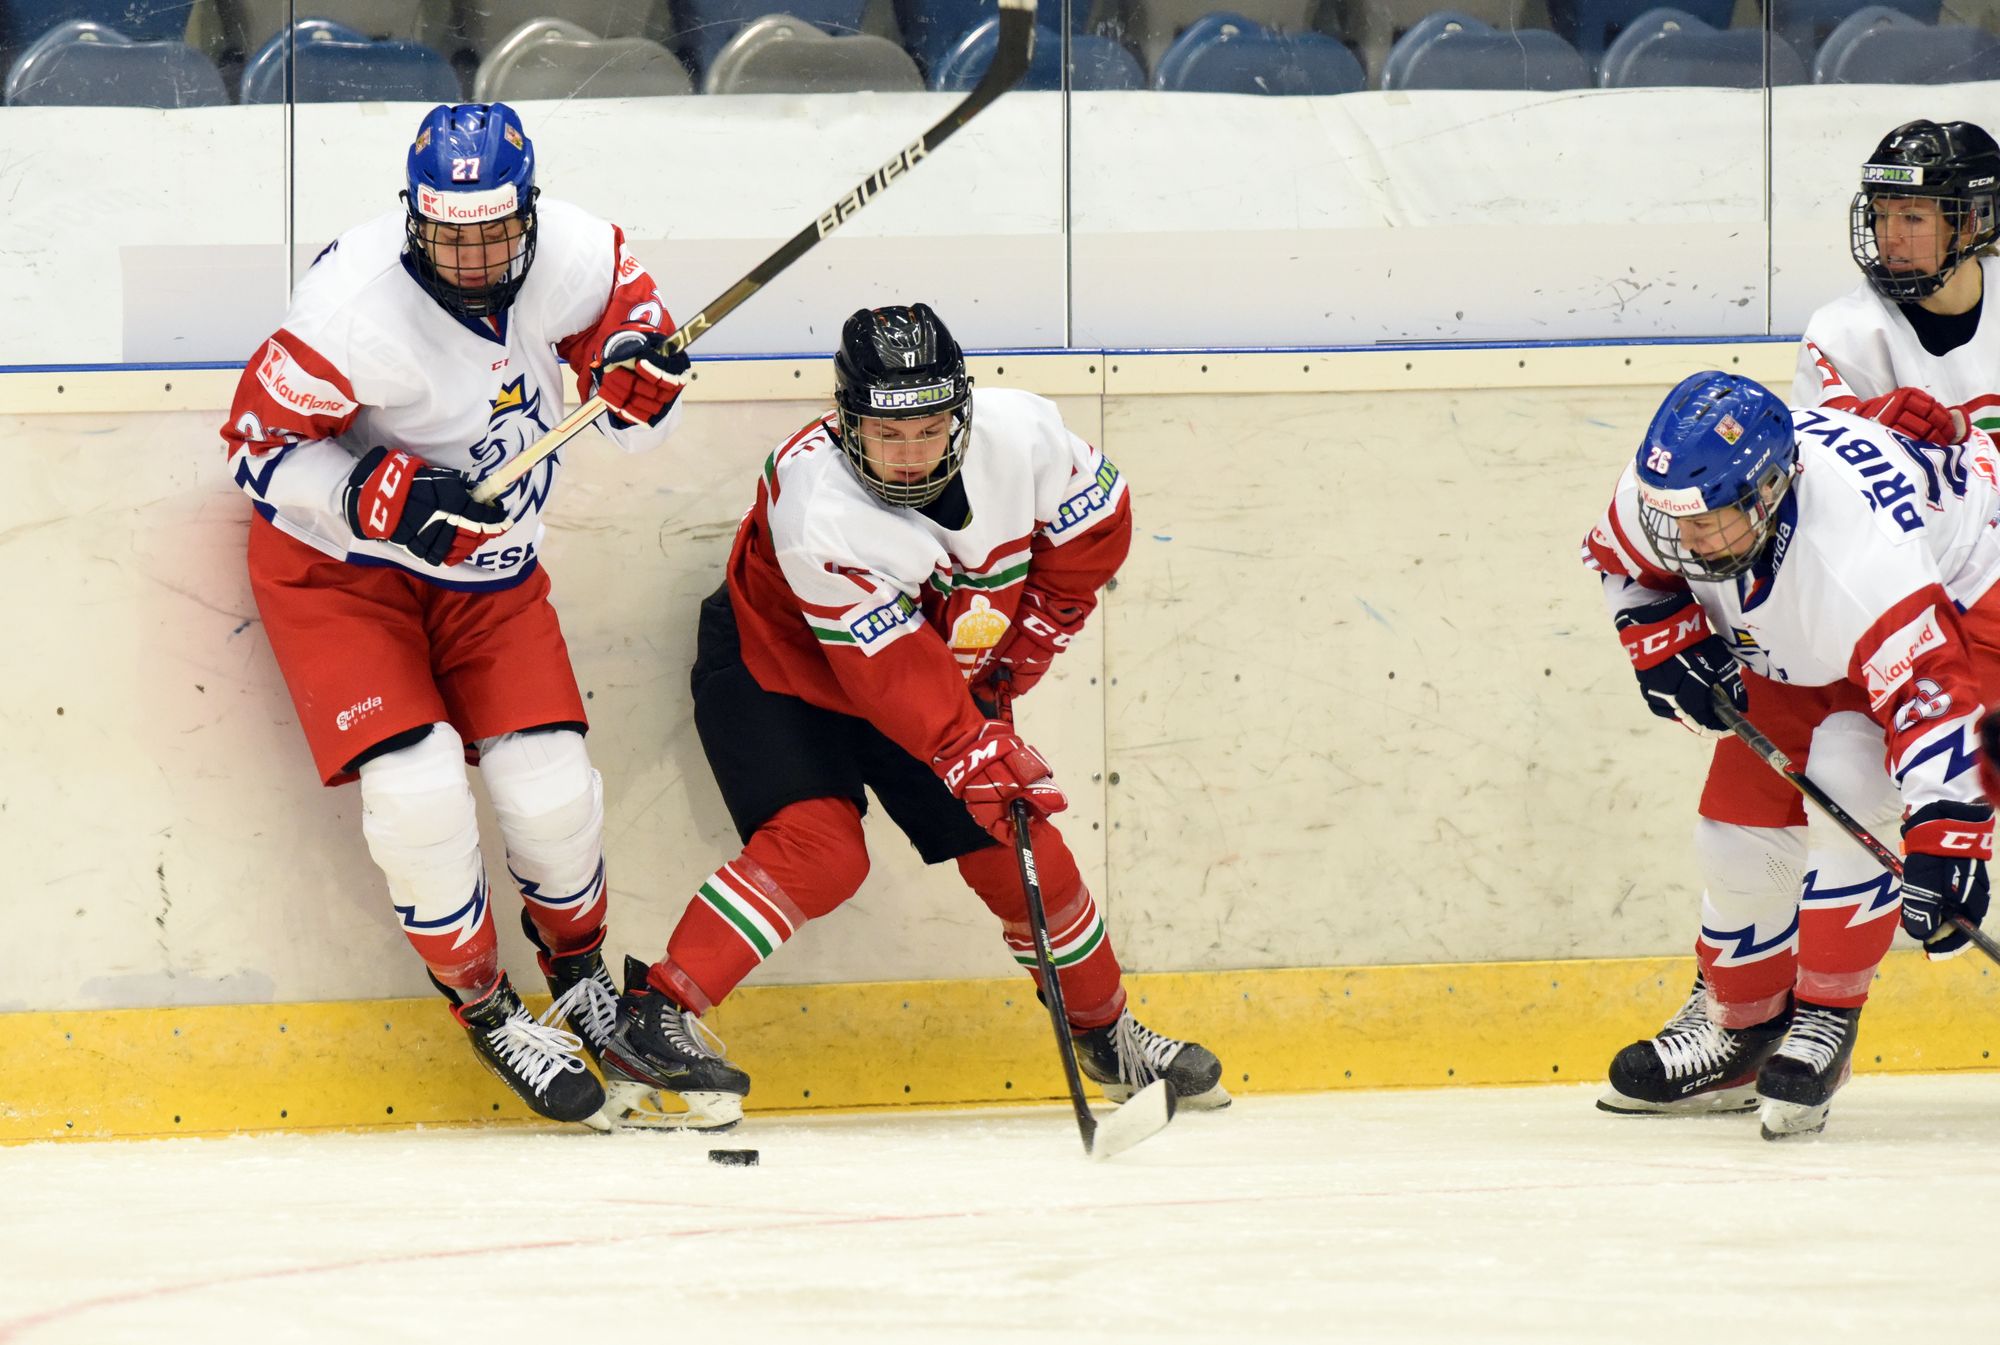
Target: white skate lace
(1816,1037)
(1695,1048)
(592,1004)
(1143,1054)
(535,1051)
(693,1036)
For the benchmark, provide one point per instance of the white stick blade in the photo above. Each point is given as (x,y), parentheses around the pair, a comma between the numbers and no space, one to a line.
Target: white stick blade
(1143,1116)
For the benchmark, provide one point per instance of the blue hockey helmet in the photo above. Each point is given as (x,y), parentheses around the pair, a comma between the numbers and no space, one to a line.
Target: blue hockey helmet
(1718,442)
(470,227)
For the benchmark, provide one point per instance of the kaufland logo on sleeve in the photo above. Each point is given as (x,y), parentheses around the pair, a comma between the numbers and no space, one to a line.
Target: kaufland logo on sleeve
(291,385)
(1890,666)
(467,207)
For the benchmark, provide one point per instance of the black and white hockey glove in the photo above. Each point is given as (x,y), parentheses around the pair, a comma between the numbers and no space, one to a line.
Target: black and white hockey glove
(637,380)
(1678,658)
(428,511)
(1945,849)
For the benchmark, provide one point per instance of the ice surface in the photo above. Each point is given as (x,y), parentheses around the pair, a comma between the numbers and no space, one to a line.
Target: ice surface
(1465,1215)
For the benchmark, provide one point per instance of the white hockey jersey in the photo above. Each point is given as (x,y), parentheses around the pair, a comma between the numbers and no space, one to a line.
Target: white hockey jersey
(1880,545)
(1860,347)
(880,612)
(366,357)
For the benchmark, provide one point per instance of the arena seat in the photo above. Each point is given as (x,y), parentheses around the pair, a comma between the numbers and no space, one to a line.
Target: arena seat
(554,58)
(335,64)
(1880,45)
(1671,48)
(703,27)
(85,64)
(138,21)
(1449,50)
(224,27)
(1155,25)
(1591,25)
(1372,27)
(933,29)
(1095,62)
(1227,53)
(780,54)
(1806,24)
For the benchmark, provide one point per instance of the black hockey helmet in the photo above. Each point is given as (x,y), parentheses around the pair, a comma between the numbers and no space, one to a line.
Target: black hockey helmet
(901,364)
(1954,163)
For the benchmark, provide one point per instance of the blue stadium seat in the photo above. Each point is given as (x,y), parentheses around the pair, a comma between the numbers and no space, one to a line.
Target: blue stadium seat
(1806,24)
(84,64)
(1227,53)
(704,27)
(934,29)
(1879,45)
(1591,25)
(22,21)
(1095,62)
(1449,50)
(1671,48)
(336,64)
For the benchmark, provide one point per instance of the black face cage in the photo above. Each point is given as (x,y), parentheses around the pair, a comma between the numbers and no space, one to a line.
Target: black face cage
(1954,211)
(482,301)
(907,494)
(1759,504)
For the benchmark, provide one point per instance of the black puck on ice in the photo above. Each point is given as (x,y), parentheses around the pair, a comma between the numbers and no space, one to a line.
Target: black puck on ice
(733,1158)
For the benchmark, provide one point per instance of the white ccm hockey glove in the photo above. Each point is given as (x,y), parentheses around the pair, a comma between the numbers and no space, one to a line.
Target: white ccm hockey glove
(1677,658)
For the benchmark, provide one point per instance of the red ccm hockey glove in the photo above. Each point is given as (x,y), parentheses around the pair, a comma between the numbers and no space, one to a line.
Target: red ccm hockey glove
(992,770)
(428,511)
(1041,630)
(636,380)
(1946,847)
(1915,414)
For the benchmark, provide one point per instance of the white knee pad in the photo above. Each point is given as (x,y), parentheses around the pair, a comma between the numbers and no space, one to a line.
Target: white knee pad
(1847,761)
(550,805)
(417,815)
(1749,909)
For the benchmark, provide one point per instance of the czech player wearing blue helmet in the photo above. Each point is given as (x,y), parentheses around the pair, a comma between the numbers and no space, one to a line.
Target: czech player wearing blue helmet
(1838,581)
(422,351)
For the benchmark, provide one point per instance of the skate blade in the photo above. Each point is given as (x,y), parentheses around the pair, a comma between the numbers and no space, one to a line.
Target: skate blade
(1134,1122)
(1215,1099)
(629,1105)
(1722,1102)
(1791,1120)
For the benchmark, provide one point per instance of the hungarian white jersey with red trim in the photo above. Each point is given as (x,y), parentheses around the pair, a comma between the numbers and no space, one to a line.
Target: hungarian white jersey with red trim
(1879,545)
(367,357)
(870,610)
(1860,347)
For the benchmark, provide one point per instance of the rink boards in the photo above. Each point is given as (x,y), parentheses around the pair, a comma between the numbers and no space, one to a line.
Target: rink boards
(1356,769)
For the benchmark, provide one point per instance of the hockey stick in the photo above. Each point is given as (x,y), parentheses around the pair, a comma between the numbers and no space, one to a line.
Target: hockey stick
(1774,757)
(1010,62)
(1147,1111)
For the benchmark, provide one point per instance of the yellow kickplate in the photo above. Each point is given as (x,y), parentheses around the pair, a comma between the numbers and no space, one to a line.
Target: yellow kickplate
(218,1070)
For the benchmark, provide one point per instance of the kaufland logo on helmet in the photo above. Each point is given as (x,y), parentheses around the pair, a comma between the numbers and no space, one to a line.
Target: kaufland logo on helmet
(288,383)
(1894,173)
(902,399)
(467,207)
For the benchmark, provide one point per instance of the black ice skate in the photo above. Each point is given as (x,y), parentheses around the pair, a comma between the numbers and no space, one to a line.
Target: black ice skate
(1125,1056)
(540,1062)
(659,1047)
(1693,1067)
(1798,1082)
(586,998)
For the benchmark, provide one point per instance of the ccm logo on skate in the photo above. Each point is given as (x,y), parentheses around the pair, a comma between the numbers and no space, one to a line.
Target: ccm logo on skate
(1889,667)
(356,712)
(288,383)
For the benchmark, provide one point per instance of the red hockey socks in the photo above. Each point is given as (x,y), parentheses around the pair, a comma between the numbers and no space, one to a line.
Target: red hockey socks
(1080,946)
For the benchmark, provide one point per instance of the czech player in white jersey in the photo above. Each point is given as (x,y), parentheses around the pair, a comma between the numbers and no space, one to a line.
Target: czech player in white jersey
(1852,569)
(1905,348)
(913,564)
(423,350)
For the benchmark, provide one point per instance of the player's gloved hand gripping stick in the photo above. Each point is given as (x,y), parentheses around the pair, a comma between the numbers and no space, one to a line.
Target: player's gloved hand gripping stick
(1776,759)
(1010,62)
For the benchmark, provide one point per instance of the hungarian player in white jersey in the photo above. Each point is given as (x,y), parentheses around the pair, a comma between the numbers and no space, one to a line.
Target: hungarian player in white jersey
(913,563)
(1853,570)
(423,350)
(1905,348)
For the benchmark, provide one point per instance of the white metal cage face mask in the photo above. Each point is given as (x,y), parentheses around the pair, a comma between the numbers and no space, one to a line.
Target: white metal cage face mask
(1661,513)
